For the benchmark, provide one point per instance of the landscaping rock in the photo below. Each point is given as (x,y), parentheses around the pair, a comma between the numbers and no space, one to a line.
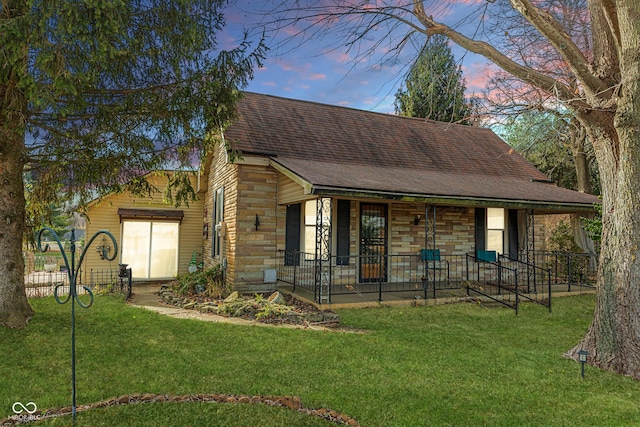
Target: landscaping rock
(276,309)
(233,297)
(330,317)
(293,317)
(313,317)
(277,298)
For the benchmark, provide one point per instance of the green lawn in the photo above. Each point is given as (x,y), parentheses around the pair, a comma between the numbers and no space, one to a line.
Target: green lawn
(453,365)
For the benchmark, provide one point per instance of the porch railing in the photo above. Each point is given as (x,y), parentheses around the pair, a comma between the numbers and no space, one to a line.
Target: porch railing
(567,268)
(384,274)
(493,280)
(535,281)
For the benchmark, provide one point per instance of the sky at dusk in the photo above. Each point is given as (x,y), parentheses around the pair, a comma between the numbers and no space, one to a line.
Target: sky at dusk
(323,70)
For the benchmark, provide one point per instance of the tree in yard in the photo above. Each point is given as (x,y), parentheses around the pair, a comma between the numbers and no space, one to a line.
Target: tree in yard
(95,94)
(546,139)
(434,87)
(510,97)
(606,104)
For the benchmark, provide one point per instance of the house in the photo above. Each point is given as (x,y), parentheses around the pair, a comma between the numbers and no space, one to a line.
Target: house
(363,193)
(332,199)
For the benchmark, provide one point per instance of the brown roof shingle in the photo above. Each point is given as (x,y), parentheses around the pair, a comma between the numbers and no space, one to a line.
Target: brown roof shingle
(341,148)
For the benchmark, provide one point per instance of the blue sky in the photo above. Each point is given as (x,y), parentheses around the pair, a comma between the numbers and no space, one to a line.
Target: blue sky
(319,71)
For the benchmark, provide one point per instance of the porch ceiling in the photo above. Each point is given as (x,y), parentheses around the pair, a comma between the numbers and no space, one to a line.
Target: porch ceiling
(431,186)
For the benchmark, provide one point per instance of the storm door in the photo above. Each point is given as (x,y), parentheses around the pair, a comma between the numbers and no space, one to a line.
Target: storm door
(373,242)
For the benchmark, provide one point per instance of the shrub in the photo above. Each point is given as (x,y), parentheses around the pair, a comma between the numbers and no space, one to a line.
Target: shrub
(562,240)
(208,282)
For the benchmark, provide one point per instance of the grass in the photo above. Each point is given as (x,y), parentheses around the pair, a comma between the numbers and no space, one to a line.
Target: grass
(455,365)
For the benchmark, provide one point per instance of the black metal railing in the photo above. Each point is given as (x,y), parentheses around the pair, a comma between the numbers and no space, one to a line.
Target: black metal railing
(493,280)
(568,268)
(449,276)
(377,274)
(535,282)
(42,283)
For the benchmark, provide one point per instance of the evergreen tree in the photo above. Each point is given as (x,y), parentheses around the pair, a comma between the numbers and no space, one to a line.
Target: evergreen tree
(434,87)
(95,94)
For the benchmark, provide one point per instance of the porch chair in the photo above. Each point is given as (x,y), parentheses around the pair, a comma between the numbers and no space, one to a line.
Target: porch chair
(433,262)
(487,256)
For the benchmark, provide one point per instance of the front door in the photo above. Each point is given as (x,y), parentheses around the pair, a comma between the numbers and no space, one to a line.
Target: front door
(373,242)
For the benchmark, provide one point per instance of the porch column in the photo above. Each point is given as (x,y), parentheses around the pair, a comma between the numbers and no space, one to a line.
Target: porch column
(323,250)
(529,255)
(430,227)
(429,244)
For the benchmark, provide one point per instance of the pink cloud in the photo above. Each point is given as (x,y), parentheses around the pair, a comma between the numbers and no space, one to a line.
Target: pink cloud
(337,56)
(477,75)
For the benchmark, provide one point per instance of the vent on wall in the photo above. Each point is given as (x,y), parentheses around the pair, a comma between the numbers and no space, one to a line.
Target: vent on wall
(270,275)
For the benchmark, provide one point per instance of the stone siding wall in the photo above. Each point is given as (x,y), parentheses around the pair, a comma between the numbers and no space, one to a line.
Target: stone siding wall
(221,174)
(249,190)
(256,250)
(454,229)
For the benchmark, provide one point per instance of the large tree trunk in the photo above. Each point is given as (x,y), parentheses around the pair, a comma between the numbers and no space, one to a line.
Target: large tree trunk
(613,338)
(15,310)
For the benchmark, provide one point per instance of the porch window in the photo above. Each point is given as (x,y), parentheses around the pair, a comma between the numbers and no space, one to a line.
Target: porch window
(310,213)
(495,230)
(150,248)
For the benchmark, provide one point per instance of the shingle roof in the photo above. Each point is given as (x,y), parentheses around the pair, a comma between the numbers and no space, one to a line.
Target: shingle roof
(346,149)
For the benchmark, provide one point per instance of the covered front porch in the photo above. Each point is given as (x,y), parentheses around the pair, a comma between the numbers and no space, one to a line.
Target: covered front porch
(411,278)
(370,252)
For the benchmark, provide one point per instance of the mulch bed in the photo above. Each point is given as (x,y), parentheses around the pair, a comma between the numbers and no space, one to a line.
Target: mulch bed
(290,402)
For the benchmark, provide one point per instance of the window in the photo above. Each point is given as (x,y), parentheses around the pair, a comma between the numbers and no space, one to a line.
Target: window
(218,219)
(310,208)
(294,228)
(490,229)
(495,230)
(310,220)
(150,248)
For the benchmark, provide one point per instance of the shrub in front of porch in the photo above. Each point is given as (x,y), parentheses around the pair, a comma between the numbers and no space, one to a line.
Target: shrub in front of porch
(208,282)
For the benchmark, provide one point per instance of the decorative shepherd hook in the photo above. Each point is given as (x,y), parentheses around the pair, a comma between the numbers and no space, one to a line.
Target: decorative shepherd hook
(72,272)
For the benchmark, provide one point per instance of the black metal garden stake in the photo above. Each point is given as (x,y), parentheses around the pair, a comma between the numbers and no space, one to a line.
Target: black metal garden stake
(72,272)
